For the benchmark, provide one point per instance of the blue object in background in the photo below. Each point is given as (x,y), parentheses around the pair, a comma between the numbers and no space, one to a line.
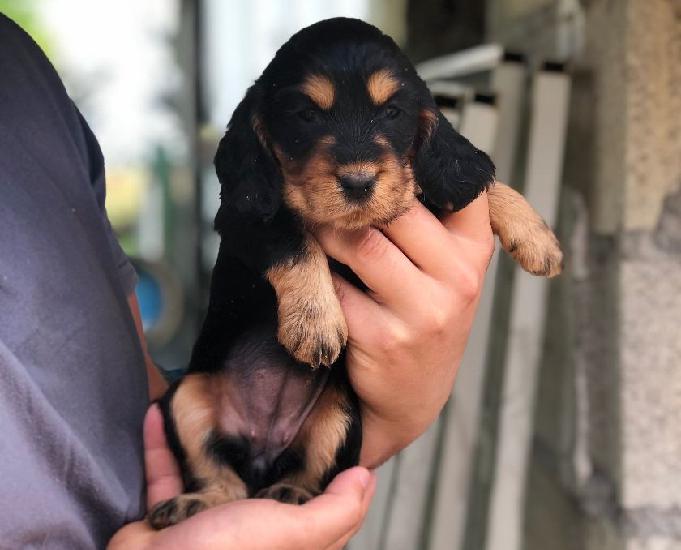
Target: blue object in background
(150,298)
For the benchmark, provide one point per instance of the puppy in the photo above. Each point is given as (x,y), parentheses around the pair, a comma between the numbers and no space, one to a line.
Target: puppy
(339,130)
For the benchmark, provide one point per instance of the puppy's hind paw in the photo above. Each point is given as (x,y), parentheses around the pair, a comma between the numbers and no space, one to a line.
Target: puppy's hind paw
(172,511)
(286,493)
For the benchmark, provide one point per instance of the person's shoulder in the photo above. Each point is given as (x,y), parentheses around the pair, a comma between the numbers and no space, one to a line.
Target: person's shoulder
(11,34)
(22,57)
(36,96)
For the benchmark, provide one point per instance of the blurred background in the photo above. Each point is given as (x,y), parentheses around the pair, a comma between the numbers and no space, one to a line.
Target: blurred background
(564,428)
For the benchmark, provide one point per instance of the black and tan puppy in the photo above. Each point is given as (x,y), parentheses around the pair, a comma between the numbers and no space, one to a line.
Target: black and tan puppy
(338,130)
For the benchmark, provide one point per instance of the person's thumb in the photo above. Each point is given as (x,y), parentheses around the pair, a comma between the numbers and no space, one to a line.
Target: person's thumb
(350,484)
(340,510)
(163,475)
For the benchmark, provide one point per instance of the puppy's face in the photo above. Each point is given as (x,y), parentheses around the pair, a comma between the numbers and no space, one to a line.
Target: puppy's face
(343,122)
(344,146)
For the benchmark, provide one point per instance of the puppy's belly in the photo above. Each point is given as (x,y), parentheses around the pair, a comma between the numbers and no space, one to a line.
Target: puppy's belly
(264,397)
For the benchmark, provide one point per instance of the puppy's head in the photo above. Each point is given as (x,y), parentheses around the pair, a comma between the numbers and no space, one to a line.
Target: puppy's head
(333,128)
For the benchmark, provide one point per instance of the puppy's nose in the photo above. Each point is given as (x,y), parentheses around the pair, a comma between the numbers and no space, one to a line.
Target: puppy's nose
(357,186)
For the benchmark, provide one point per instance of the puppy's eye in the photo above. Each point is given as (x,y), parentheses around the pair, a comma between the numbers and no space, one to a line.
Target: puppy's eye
(392,112)
(309,115)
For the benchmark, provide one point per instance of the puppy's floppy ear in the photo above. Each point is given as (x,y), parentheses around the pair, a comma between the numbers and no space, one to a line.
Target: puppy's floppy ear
(448,168)
(248,172)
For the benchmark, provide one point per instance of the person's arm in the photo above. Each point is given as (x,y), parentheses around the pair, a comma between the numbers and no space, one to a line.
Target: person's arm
(408,333)
(327,521)
(157,384)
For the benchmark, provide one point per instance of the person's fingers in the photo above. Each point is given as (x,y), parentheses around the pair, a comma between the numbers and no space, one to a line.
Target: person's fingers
(362,314)
(134,535)
(471,222)
(337,513)
(376,261)
(265,524)
(421,236)
(163,476)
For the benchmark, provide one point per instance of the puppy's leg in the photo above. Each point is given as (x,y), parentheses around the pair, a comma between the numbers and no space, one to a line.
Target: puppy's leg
(330,441)
(522,232)
(191,411)
(174,510)
(311,323)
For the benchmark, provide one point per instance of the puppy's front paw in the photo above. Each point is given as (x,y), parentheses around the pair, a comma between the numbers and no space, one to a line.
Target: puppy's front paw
(537,251)
(286,493)
(314,332)
(311,323)
(174,510)
(523,233)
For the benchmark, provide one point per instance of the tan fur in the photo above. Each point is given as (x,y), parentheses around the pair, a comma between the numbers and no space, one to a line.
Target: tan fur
(193,410)
(355,168)
(522,232)
(324,431)
(427,123)
(259,129)
(311,323)
(320,90)
(381,85)
(320,436)
(312,190)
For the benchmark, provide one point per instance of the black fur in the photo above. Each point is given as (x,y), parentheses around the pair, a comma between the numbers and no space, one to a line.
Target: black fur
(450,170)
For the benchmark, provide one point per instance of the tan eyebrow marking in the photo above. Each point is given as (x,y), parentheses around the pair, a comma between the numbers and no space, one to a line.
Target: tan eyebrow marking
(381,85)
(320,90)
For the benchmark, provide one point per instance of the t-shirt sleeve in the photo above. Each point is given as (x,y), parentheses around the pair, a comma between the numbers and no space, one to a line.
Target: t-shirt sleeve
(95,163)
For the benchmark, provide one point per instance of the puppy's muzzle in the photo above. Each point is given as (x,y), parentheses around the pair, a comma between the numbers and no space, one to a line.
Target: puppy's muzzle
(358,186)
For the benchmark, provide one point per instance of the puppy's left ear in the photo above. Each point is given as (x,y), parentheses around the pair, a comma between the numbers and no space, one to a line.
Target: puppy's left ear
(448,168)
(249,174)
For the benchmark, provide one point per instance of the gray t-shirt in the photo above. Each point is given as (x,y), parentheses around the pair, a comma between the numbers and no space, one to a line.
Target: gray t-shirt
(73,387)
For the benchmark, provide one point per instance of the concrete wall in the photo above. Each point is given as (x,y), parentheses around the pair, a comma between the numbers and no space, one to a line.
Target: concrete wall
(606,469)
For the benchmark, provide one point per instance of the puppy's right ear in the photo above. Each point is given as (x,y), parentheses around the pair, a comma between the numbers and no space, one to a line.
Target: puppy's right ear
(248,172)
(447,167)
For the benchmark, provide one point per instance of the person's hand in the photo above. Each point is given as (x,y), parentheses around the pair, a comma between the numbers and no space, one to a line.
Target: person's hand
(407,334)
(324,523)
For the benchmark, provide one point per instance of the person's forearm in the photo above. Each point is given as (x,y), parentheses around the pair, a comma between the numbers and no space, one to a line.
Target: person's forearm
(157,384)
(379,442)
